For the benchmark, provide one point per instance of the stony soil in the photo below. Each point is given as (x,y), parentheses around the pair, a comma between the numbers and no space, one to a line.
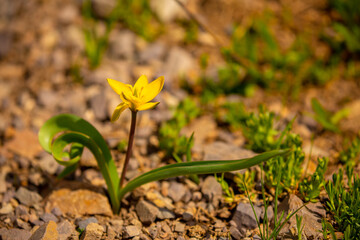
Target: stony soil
(41,41)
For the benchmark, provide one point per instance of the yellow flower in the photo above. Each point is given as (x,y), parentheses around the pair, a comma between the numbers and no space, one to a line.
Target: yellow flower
(136,97)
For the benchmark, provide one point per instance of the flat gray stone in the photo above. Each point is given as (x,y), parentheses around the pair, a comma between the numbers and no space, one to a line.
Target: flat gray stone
(244,216)
(27,197)
(211,190)
(82,224)
(132,231)
(146,211)
(67,230)
(176,191)
(14,234)
(312,215)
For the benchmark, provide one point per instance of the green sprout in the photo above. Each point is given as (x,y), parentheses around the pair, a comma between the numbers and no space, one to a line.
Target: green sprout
(310,187)
(328,120)
(67,130)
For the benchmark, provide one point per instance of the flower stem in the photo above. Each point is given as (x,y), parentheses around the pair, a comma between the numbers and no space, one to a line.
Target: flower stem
(129,148)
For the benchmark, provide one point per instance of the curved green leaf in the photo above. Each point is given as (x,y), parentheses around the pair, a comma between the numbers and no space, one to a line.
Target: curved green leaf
(203,167)
(66,129)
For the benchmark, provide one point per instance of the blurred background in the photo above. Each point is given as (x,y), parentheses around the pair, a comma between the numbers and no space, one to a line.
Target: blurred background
(299,59)
(55,56)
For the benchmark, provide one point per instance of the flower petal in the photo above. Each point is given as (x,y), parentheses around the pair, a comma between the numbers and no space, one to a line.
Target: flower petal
(118,110)
(141,83)
(147,106)
(119,87)
(152,89)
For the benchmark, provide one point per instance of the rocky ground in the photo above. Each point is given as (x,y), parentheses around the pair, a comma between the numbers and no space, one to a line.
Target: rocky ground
(41,43)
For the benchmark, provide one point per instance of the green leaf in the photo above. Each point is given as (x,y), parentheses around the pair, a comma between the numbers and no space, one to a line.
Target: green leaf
(69,130)
(324,117)
(203,167)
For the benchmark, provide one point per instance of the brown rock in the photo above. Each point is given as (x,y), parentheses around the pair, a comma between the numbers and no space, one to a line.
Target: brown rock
(11,71)
(312,214)
(27,197)
(225,151)
(146,211)
(47,231)
(28,141)
(203,129)
(14,234)
(93,231)
(66,230)
(79,202)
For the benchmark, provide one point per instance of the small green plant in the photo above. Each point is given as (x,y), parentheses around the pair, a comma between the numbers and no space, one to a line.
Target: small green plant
(266,233)
(64,130)
(170,139)
(344,203)
(229,196)
(259,131)
(188,145)
(261,135)
(328,120)
(310,187)
(95,42)
(135,14)
(245,181)
(299,227)
(350,156)
(327,229)
(347,26)
(235,114)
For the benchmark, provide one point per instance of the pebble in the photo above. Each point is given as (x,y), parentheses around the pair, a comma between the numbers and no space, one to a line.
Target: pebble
(122,45)
(244,216)
(269,213)
(176,191)
(179,227)
(48,164)
(102,8)
(14,234)
(178,62)
(146,211)
(311,213)
(93,231)
(46,217)
(211,190)
(79,202)
(165,214)
(56,211)
(117,224)
(28,140)
(66,230)
(22,212)
(22,224)
(225,151)
(3,172)
(188,215)
(132,231)
(48,98)
(166,10)
(83,223)
(154,51)
(47,231)
(6,209)
(110,233)
(98,104)
(27,197)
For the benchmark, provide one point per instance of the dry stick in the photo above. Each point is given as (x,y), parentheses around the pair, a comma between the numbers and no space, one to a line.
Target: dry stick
(129,148)
(220,44)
